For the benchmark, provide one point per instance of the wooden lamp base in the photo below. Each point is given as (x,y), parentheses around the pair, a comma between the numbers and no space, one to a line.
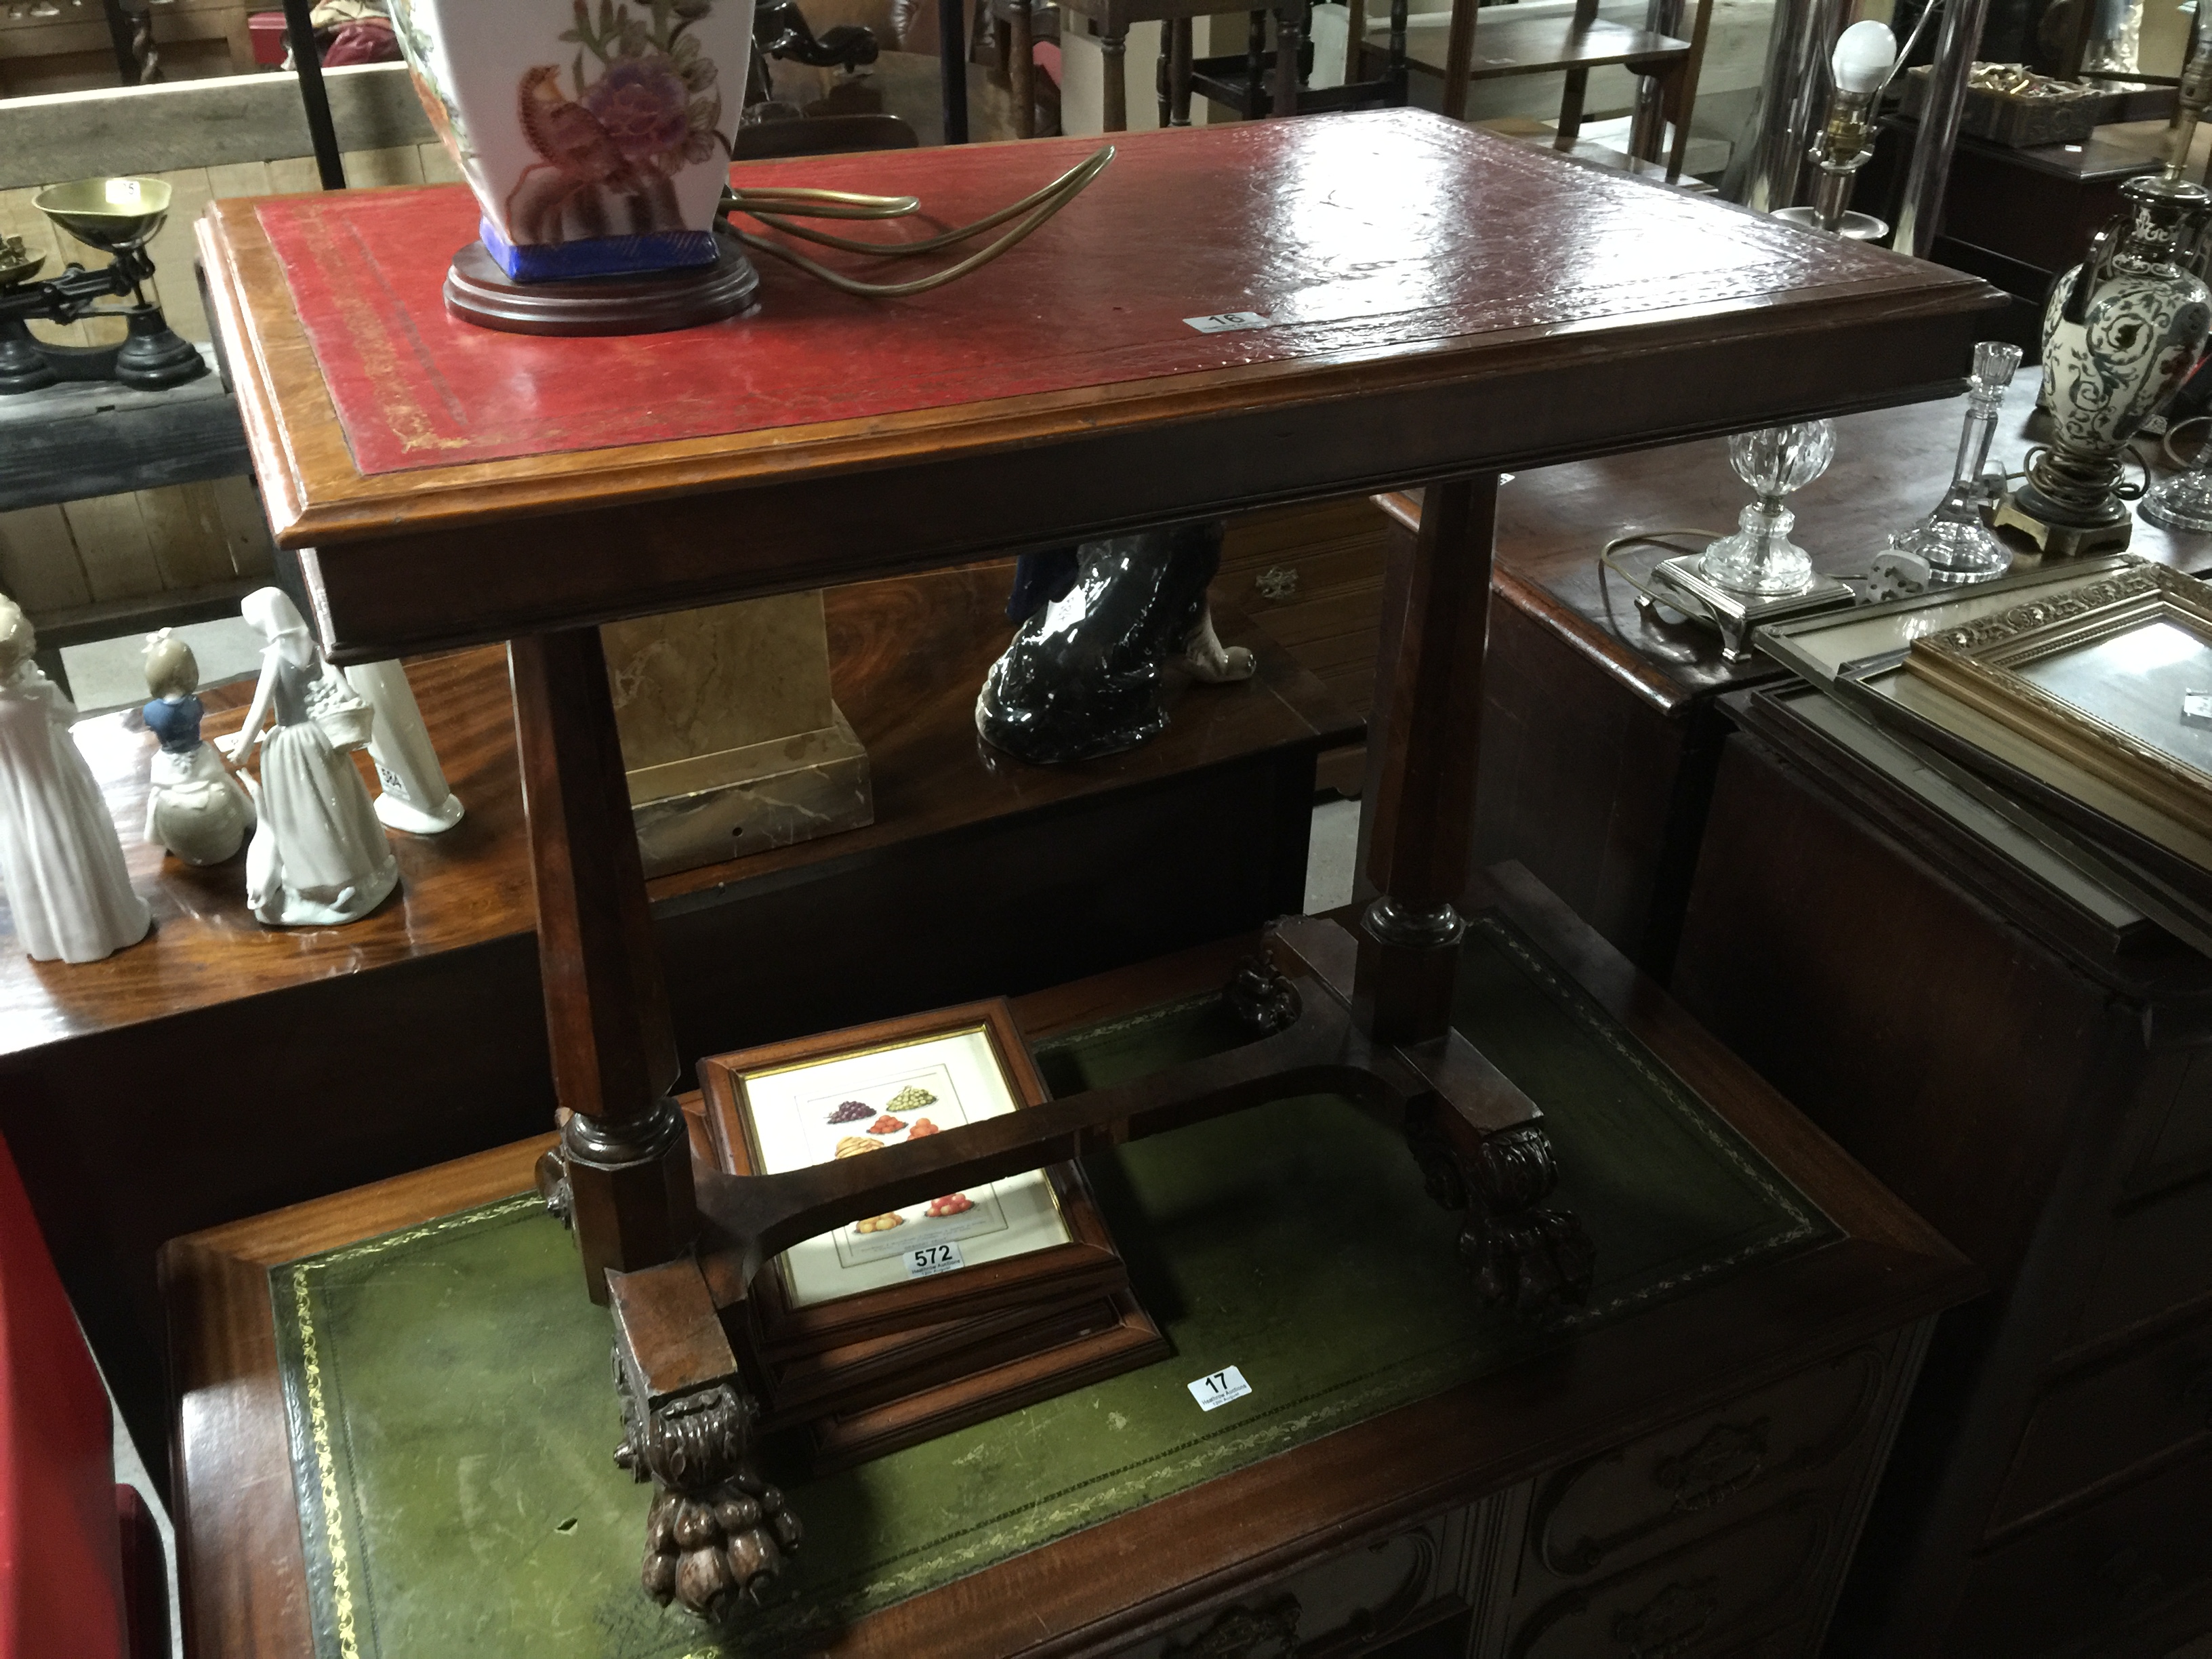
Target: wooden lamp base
(477,291)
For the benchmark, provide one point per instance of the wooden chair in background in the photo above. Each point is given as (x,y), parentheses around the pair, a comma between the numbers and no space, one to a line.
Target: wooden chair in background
(1577,43)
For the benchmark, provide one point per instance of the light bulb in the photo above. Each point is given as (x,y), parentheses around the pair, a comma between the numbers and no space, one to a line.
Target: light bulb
(1863,56)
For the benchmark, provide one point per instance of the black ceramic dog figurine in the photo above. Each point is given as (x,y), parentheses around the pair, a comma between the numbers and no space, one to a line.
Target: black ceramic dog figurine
(1098,625)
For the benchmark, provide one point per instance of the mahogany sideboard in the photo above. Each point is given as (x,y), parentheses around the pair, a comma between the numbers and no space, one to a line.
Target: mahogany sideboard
(2042,1099)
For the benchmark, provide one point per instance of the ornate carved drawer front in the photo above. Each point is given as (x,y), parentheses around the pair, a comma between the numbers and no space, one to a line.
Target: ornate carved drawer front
(1349,1603)
(2088,1576)
(2152,1400)
(1652,1493)
(2155,1260)
(1743,1589)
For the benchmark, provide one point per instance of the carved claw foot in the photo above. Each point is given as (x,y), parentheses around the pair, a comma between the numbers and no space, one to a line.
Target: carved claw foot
(717,1534)
(1536,1260)
(1263,1001)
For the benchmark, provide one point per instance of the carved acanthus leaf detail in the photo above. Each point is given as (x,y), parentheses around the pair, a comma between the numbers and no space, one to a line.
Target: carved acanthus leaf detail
(1986,631)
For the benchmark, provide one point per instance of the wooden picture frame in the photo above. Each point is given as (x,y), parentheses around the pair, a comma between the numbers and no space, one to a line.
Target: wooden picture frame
(1088,1344)
(783,1326)
(2086,674)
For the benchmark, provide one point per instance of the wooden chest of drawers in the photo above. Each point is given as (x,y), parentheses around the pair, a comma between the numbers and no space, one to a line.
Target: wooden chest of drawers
(2044,1100)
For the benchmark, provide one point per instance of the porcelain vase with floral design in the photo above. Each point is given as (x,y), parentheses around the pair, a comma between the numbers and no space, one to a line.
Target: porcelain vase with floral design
(594,133)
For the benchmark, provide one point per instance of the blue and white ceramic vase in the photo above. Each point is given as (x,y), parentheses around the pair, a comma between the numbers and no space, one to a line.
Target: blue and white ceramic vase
(2121,331)
(594,133)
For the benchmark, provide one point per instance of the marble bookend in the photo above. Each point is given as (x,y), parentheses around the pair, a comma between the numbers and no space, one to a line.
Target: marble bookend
(729,736)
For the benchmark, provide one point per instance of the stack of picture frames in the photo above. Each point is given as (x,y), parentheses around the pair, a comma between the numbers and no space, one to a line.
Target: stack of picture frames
(909,1324)
(2072,702)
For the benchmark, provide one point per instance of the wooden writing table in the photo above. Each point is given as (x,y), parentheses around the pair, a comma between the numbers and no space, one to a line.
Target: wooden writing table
(1441,304)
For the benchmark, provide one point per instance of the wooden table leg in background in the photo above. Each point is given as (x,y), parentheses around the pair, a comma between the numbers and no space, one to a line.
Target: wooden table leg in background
(1021,70)
(1459,58)
(1421,764)
(1176,61)
(1290,40)
(629,1162)
(1114,67)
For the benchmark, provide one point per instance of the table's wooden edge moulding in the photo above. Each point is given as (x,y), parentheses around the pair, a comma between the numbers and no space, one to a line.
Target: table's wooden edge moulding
(1093,459)
(1362,1010)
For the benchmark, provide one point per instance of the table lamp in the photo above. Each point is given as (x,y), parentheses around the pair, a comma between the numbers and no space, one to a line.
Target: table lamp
(594,138)
(1756,575)
(1864,60)
(2122,332)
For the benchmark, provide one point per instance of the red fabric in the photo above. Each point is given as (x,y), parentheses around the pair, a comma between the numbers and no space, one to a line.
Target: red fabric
(364,40)
(266,29)
(61,1572)
(145,1575)
(1352,234)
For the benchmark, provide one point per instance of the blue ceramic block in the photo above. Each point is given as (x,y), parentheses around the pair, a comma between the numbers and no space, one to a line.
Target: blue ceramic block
(599,256)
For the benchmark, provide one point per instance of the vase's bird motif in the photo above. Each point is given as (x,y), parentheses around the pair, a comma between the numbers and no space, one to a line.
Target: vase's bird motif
(607,155)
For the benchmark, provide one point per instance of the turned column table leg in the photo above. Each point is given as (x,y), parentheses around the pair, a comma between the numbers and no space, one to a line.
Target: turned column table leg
(1179,70)
(1421,780)
(1113,56)
(628,1160)
(1021,70)
(1485,1152)
(1290,41)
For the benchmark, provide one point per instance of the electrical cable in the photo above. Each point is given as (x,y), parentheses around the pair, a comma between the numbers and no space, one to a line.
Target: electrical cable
(2166,443)
(1683,602)
(777,206)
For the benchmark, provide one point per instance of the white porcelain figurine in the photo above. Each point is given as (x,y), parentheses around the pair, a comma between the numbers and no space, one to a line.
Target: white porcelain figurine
(67,890)
(319,857)
(415,796)
(194,806)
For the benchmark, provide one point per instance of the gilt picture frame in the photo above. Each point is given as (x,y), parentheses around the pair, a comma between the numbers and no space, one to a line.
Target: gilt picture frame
(2097,674)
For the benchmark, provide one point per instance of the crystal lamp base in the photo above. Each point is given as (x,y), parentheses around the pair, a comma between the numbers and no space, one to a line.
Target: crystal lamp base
(2182,502)
(1759,558)
(1956,552)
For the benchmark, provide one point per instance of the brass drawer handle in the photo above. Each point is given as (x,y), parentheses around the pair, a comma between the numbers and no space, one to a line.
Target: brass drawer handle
(1670,1621)
(1729,1459)
(1239,1632)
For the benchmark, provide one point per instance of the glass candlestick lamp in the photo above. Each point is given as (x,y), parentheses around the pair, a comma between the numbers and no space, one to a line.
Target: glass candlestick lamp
(1953,543)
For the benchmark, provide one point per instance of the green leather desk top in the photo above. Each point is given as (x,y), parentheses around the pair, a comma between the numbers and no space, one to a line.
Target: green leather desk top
(453,1421)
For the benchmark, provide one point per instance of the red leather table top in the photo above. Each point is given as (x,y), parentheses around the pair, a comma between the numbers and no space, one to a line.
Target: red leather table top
(1356,232)
(1438,301)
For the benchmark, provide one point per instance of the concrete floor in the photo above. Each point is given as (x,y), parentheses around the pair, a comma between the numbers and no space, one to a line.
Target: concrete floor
(1331,854)
(109,674)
